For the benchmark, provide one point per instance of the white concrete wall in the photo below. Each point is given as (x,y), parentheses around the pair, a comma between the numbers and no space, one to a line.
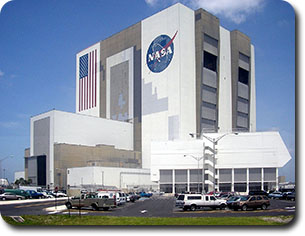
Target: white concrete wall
(18,175)
(225,82)
(252,119)
(93,111)
(87,130)
(168,97)
(108,176)
(245,150)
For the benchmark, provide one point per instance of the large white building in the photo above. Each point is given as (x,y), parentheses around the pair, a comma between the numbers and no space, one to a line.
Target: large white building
(173,96)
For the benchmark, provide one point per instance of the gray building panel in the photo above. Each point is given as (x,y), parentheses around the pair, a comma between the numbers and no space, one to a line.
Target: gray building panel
(209,96)
(225,175)
(129,37)
(243,107)
(119,91)
(207,25)
(255,174)
(240,51)
(208,113)
(42,137)
(166,176)
(243,91)
(209,78)
(242,121)
(180,176)
(240,175)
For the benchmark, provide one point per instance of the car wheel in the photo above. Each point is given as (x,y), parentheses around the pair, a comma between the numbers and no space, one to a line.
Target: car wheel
(193,207)
(69,205)
(19,198)
(3,199)
(185,208)
(94,207)
(264,207)
(244,207)
(39,197)
(223,206)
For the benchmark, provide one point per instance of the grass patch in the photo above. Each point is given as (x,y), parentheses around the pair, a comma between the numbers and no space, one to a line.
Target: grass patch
(112,220)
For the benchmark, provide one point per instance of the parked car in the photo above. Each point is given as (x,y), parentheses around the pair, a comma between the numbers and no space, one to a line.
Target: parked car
(19,192)
(254,202)
(290,196)
(259,192)
(47,194)
(196,201)
(34,194)
(144,194)
(10,196)
(276,195)
(231,200)
(59,194)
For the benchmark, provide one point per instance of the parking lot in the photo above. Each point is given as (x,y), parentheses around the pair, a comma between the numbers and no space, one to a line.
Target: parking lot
(156,206)
(164,206)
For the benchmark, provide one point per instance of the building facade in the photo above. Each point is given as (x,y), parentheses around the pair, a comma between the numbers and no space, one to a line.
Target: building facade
(173,74)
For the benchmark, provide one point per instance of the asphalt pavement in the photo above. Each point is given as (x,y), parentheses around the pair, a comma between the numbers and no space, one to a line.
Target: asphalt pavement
(156,206)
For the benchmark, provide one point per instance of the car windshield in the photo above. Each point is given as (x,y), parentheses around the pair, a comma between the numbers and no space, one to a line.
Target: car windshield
(180,197)
(245,198)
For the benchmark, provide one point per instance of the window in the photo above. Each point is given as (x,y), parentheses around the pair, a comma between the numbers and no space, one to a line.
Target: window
(206,198)
(212,198)
(194,198)
(259,198)
(210,61)
(240,187)
(243,76)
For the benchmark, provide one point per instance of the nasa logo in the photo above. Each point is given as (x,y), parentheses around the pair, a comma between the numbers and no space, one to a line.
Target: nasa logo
(160,53)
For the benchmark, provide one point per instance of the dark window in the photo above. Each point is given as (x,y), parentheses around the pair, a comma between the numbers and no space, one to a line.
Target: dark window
(194,198)
(207,198)
(259,198)
(210,61)
(198,16)
(212,198)
(240,187)
(243,76)
(225,187)
(167,188)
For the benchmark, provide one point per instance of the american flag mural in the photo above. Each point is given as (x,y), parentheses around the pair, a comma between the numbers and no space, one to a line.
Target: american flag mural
(87,81)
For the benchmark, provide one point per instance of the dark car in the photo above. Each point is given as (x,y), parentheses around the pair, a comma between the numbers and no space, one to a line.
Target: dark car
(258,192)
(253,202)
(34,194)
(276,195)
(290,196)
(231,200)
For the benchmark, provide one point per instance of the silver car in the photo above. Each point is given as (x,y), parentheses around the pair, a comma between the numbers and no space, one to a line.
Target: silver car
(10,196)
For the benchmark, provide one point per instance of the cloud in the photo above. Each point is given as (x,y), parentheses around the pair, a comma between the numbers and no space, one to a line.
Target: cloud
(234,10)
(152,2)
(9,124)
(1,73)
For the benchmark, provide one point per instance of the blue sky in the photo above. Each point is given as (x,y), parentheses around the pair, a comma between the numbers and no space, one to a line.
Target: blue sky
(39,41)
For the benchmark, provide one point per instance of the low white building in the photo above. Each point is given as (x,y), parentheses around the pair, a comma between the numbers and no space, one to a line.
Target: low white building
(243,162)
(18,175)
(121,178)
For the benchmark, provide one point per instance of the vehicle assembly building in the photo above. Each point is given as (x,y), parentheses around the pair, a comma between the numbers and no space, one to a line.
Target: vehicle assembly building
(167,104)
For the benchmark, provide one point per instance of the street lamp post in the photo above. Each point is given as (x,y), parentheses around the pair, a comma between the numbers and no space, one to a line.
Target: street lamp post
(198,159)
(11,156)
(214,141)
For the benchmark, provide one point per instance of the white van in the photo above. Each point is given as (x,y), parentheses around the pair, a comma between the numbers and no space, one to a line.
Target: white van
(195,201)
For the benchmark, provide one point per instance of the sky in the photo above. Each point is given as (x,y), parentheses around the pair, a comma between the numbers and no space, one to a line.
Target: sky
(39,41)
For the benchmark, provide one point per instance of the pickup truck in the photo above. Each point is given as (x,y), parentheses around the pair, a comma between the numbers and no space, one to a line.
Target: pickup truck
(91,200)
